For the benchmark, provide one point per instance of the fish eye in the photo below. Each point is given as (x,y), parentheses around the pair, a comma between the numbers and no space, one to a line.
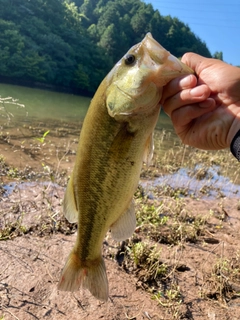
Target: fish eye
(129,59)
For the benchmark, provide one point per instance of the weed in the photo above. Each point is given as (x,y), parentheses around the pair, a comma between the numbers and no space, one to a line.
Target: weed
(171,299)
(12,230)
(168,221)
(42,138)
(13,172)
(150,214)
(145,261)
(223,283)
(169,296)
(148,258)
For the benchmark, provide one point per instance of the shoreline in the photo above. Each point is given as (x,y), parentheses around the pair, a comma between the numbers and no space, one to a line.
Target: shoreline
(45,86)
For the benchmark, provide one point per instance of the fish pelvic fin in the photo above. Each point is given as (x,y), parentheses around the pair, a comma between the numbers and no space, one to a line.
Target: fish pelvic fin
(149,148)
(125,226)
(69,203)
(90,275)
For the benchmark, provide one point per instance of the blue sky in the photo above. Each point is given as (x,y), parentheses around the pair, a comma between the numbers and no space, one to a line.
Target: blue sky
(216,22)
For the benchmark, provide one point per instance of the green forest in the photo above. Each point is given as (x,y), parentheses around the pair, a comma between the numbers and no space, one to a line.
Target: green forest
(66,44)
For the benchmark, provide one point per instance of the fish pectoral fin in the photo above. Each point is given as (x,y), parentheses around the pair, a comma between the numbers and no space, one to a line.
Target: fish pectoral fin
(125,226)
(69,203)
(149,148)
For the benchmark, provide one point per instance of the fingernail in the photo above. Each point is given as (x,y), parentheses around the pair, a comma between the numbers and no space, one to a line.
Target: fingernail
(197,92)
(186,81)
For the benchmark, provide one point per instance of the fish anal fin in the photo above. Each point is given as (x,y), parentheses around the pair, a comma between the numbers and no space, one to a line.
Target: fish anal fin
(125,226)
(149,148)
(69,203)
(90,275)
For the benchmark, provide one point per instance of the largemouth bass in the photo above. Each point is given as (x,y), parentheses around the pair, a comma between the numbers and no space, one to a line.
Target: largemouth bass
(116,137)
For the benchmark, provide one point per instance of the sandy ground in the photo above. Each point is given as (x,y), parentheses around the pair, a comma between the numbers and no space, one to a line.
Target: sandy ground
(31,264)
(203,278)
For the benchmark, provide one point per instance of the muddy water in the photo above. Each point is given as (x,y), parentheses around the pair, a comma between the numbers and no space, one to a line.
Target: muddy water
(212,186)
(44,134)
(48,106)
(43,105)
(23,129)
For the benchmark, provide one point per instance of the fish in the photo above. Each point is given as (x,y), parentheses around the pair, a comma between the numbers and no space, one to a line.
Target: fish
(115,139)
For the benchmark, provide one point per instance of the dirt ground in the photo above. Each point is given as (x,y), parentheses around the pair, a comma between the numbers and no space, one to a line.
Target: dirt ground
(189,267)
(31,261)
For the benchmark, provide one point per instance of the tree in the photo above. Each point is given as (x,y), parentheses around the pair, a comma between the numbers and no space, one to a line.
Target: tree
(81,78)
(75,43)
(218,55)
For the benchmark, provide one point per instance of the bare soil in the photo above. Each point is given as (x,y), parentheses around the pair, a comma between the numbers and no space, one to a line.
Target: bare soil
(196,241)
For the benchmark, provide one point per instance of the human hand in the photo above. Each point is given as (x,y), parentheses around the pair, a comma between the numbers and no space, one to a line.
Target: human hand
(205,111)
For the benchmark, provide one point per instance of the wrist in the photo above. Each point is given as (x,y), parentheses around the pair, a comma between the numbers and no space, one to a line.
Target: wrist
(235,145)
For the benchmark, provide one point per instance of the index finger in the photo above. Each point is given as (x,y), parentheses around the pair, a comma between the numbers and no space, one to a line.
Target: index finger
(177,85)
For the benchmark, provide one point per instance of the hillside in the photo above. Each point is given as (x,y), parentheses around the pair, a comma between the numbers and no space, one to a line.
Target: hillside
(73,45)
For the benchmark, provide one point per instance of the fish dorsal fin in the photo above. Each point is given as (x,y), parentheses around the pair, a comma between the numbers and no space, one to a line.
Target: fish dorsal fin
(148,152)
(124,227)
(69,203)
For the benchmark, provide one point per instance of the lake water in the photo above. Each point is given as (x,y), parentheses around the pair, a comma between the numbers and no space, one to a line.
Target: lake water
(62,114)
(59,113)
(47,105)
(44,104)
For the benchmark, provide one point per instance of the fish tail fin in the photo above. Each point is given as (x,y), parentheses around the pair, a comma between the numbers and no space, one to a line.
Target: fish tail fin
(91,276)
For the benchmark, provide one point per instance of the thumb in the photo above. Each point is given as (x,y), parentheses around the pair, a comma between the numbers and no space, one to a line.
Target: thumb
(193,60)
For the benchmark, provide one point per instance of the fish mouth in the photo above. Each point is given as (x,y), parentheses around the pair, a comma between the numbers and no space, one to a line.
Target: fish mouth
(165,65)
